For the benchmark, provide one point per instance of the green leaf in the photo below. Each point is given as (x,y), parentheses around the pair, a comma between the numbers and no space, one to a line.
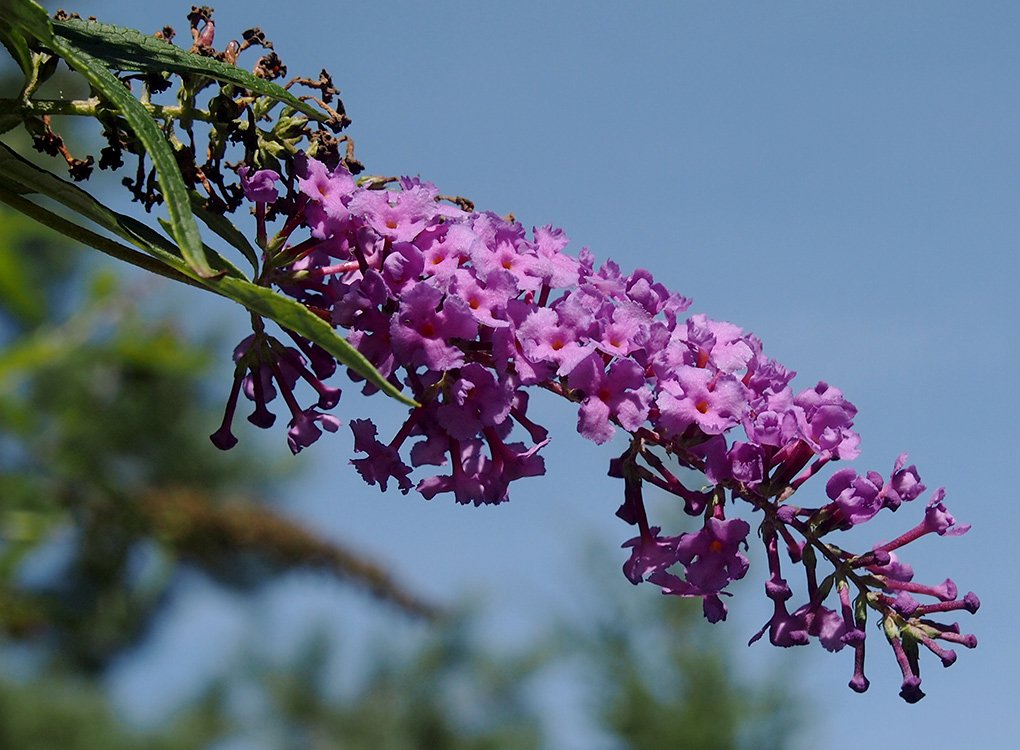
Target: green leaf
(293,315)
(129,49)
(27,16)
(226,230)
(17,45)
(7,122)
(22,176)
(260,300)
(87,237)
(175,193)
(27,177)
(218,261)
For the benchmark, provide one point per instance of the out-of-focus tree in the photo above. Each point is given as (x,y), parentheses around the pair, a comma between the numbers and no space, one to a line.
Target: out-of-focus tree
(103,460)
(63,711)
(663,677)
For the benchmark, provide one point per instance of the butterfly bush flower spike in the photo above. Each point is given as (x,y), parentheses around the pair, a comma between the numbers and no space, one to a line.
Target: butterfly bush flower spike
(468,314)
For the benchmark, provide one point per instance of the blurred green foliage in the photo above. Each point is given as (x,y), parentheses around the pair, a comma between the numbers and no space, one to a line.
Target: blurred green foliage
(666,679)
(71,714)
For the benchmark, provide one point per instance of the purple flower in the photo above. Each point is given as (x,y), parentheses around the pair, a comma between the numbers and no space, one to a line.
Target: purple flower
(826,625)
(717,342)
(766,428)
(506,256)
(717,466)
(858,498)
(396,215)
(712,606)
(619,394)
(824,419)
(712,401)
(653,296)
(785,629)
(475,401)
(462,310)
(626,331)
(303,429)
(260,186)
(746,463)
(446,249)
(650,554)
(509,461)
(939,520)
(328,193)
(553,267)
(711,557)
(894,569)
(426,325)
(402,267)
(464,480)
(545,339)
(486,299)
(382,462)
(904,485)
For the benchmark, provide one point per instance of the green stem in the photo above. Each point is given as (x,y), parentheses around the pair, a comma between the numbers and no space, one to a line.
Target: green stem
(90,108)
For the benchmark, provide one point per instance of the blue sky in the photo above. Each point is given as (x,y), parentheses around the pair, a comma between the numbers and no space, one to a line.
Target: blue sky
(840,178)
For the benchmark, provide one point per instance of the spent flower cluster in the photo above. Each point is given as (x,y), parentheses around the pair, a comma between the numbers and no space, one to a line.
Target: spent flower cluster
(466,312)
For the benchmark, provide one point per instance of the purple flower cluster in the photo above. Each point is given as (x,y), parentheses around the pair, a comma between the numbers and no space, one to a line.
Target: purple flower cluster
(465,311)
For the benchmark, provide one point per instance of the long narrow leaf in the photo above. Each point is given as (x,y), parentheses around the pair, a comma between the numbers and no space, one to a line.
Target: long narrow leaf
(129,49)
(26,177)
(7,122)
(27,16)
(175,193)
(87,237)
(219,263)
(226,230)
(17,45)
(298,318)
(32,178)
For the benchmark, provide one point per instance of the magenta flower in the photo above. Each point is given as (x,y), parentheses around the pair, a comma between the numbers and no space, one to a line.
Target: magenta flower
(551,265)
(465,478)
(259,186)
(619,394)
(746,463)
(487,298)
(475,401)
(545,339)
(857,497)
(446,249)
(824,419)
(938,519)
(506,256)
(712,401)
(303,429)
(711,557)
(425,327)
(396,215)
(904,485)
(626,331)
(382,462)
(328,193)
(717,343)
(650,554)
